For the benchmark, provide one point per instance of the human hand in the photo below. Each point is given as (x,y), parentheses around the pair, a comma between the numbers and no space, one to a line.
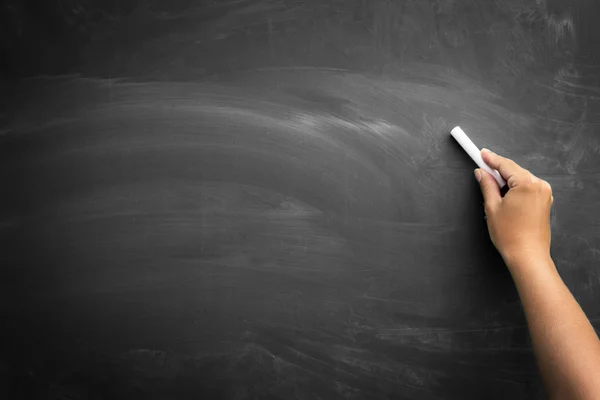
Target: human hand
(519,222)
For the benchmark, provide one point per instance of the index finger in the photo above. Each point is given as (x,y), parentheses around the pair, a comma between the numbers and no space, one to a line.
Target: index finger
(505,166)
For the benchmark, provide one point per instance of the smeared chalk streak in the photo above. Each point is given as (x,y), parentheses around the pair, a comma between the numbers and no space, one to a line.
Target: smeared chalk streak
(368,297)
(560,26)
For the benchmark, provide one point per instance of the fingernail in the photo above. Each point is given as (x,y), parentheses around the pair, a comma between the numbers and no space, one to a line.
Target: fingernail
(478,175)
(484,150)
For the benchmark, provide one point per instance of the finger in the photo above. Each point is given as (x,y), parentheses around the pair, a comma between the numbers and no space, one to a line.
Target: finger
(507,167)
(489,188)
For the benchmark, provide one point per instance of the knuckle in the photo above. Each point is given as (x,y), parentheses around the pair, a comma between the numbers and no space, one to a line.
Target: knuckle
(533,180)
(546,186)
(543,186)
(527,180)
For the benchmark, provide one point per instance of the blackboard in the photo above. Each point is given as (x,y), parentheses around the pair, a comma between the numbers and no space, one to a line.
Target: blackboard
(261,199)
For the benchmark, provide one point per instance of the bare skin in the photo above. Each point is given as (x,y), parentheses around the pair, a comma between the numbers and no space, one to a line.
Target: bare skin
(565,343)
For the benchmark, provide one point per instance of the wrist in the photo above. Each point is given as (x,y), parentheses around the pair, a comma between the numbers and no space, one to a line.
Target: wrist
(526,257)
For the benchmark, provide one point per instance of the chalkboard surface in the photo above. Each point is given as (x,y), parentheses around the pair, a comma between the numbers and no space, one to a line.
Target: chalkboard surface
(261,199)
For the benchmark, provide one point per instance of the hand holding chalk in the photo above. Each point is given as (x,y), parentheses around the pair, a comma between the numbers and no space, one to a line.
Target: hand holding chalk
(519,222)
(475,154)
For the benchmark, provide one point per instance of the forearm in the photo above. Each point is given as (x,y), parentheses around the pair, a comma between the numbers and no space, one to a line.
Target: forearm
(565,343)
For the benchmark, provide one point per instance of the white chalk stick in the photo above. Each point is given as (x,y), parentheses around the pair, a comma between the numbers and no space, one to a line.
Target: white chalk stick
(472,150)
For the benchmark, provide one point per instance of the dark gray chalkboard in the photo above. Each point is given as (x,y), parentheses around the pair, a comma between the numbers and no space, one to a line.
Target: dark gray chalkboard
(261,199)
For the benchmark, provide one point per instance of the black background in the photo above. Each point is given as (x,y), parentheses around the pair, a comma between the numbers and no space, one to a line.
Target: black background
(261,199)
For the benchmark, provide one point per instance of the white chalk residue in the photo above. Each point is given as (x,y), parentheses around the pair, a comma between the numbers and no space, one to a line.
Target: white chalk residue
(561,27)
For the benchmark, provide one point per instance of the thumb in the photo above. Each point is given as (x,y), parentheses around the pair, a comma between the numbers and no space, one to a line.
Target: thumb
(489,188)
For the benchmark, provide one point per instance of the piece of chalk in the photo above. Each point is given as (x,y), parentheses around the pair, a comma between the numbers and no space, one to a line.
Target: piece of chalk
(472,150)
